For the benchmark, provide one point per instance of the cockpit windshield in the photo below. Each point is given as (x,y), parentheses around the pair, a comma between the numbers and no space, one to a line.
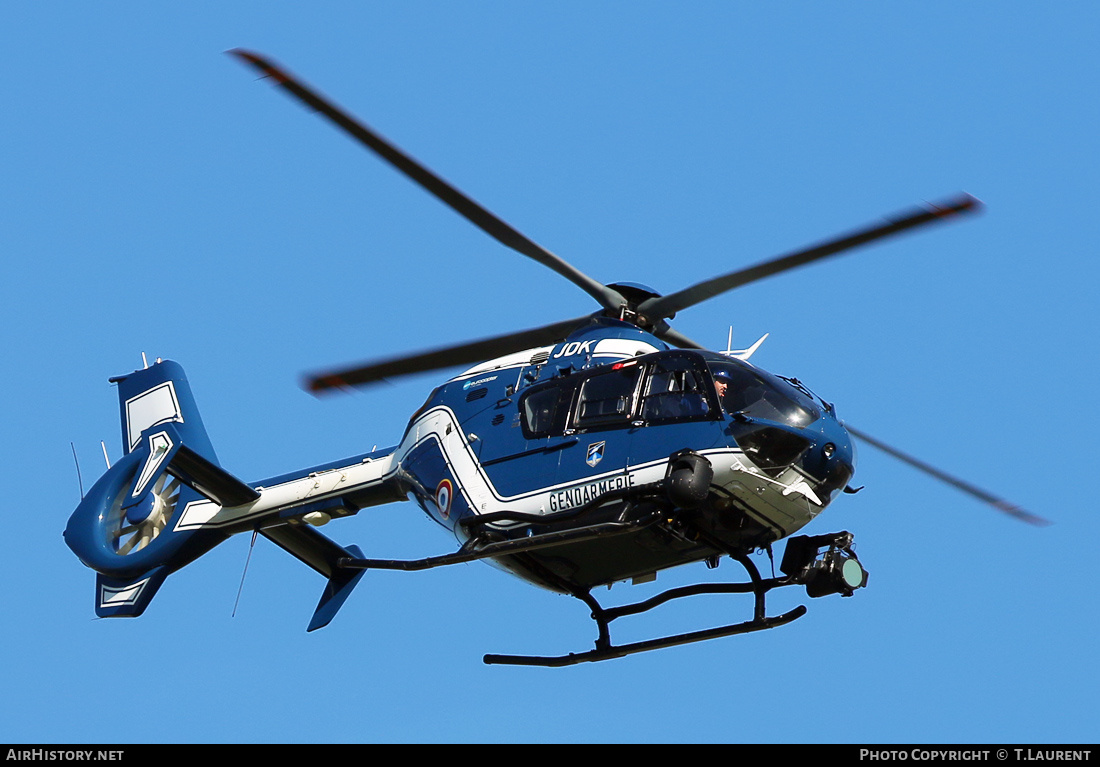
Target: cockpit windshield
(745,389)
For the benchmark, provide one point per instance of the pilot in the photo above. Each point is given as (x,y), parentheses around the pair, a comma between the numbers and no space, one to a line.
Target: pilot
(722,381)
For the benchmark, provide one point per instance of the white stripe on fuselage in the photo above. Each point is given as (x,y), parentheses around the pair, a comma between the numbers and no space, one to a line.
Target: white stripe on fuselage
(440,425)
(482,494)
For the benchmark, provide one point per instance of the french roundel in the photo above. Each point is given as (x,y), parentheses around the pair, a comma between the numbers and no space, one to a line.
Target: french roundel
(443,495)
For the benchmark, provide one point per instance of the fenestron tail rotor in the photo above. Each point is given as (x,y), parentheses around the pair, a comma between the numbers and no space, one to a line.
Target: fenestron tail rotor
(132,530)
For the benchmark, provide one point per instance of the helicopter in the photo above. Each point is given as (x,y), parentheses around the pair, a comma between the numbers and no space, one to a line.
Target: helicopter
(591,451)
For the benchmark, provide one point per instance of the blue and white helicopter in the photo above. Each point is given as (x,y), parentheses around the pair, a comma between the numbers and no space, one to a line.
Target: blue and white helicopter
(599,449)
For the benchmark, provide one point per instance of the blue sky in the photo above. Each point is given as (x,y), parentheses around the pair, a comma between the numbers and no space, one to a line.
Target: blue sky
(156,197)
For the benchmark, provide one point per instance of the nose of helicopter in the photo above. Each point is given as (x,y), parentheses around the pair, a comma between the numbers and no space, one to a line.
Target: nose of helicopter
(821,451)
(831,456)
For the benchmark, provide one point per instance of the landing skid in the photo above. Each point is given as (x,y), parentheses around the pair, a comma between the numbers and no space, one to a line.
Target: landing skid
(605,650)
(620,651)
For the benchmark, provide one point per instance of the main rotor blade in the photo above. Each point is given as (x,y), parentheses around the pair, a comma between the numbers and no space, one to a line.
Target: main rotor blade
(480,217)
(450,356)
(966,487)
(676,338)
(663,307)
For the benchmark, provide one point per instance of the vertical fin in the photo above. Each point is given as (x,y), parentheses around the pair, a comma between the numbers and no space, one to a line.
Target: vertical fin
(336,591)
(127,597)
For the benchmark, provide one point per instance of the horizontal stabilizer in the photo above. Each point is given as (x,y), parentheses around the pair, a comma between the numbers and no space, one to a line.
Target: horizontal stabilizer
(211,480)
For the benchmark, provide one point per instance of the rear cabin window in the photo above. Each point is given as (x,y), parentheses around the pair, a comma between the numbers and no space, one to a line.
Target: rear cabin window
(543,409)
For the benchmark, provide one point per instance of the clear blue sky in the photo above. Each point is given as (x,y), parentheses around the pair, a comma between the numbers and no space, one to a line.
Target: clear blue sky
(155,197)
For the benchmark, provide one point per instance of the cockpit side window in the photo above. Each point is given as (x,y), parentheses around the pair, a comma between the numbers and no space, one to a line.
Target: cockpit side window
(675,391)
(608,398)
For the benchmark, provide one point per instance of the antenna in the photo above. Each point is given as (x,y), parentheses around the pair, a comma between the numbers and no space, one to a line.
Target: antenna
(729,341)
(247,559)
(144,361)
(105,458)
(744,354)
(78,479)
